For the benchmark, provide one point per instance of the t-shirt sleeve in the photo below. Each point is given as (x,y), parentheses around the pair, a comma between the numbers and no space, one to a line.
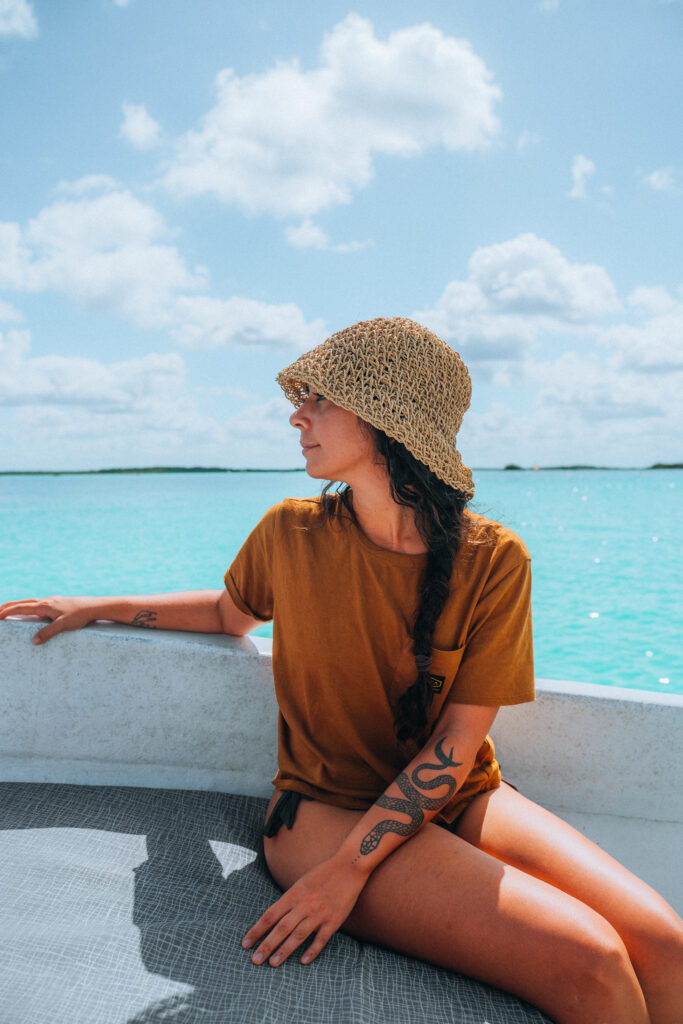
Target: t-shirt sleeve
(249,580)
(497,665)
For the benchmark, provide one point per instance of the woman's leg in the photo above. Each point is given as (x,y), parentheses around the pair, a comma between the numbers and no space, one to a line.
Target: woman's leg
(506,825)
(441,899)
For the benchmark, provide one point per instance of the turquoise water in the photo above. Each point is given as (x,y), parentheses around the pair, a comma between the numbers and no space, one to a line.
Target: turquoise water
(606,546)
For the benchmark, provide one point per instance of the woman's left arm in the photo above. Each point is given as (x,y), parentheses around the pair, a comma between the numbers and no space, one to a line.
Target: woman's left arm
(321,900)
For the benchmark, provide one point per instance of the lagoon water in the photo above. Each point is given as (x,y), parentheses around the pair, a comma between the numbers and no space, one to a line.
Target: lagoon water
(606,547)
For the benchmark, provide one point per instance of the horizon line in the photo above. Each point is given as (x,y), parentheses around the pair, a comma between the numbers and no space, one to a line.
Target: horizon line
(511,467)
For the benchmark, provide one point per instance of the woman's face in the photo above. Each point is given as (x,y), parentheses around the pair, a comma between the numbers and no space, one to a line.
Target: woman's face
(336,444)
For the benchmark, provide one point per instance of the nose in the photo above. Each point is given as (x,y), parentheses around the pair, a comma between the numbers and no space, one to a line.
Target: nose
(301,417)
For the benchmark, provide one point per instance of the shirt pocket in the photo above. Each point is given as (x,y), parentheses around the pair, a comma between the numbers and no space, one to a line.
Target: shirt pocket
(443,670)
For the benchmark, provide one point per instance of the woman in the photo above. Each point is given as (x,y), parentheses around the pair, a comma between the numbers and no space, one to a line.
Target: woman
(401,622)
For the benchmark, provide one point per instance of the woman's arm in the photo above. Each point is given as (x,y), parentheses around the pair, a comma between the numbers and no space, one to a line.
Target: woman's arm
(323,898)
(196,611)
(447,757)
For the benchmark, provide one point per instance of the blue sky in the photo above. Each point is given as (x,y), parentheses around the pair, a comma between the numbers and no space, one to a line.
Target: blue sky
(193,194)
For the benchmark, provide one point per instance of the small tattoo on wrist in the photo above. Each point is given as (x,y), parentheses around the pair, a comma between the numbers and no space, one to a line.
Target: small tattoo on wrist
(146,619)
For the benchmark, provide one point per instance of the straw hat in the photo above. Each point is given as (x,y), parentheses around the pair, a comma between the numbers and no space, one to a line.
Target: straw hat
(401,378)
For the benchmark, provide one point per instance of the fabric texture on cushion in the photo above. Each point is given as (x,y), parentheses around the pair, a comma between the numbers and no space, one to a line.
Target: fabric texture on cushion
(127,906)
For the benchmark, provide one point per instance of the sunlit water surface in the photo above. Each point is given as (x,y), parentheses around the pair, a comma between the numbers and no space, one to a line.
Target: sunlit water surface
(606,546)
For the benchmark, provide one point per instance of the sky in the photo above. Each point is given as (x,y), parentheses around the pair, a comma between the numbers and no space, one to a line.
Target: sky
(193,194)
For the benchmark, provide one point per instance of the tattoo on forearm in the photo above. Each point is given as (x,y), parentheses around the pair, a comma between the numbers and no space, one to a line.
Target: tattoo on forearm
(145,619)
(415,803)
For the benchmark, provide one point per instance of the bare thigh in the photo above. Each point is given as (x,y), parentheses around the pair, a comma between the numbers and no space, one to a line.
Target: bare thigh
(440,898)
(507,825)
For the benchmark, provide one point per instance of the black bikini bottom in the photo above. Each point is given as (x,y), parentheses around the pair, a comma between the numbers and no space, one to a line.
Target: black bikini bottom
(283,812)
(285,808)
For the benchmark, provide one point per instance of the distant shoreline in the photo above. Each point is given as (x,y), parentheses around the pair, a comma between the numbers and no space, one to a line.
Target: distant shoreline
(138,471)
(219,469)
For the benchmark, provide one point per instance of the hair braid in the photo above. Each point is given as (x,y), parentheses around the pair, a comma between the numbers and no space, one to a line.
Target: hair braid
(438,510)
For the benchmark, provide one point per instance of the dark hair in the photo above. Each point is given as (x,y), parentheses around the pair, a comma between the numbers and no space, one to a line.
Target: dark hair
(438,511)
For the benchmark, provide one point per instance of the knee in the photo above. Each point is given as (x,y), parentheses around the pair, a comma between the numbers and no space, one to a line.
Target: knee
(601,982)
(657,950)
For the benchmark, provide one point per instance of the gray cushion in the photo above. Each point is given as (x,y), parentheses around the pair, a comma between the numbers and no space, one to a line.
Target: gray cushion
(127,906)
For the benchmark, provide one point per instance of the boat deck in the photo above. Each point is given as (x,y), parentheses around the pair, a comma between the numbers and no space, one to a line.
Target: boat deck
(127,905)
(137,764)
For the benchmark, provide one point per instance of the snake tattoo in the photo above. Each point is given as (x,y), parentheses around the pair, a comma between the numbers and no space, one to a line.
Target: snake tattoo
(415,803)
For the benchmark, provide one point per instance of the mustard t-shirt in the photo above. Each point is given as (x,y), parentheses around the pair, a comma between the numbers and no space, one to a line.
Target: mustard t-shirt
(343,610)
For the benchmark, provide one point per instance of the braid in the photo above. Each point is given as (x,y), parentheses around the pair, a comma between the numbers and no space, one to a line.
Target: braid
(438,511)
(438,517)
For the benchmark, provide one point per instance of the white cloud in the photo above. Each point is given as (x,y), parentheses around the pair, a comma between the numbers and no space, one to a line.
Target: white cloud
(576,408)
(206,323)
(655,346)
(104,223)
(122,3)
(613,385)
(262,421)
(14,256)
(593,390)
(516,291)
(107,252)
(83,412)
(661,180)
(529,274)
(68,380)
(79,413)
(139,128)
(160,432)
(653,299)
(308,235)
(292,142)
(526,140)
(9,314)
(13,346)
(548,5)
(582,169)
(89,183)
(17,19)
(110,253)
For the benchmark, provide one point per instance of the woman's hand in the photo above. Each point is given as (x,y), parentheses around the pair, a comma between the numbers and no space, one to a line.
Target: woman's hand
(66,613)
(318,903)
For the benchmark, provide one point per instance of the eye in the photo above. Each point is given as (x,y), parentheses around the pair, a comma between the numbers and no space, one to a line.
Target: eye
(318,398)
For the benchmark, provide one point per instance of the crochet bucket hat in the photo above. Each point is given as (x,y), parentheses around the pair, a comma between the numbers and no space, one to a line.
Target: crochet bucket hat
(401,378)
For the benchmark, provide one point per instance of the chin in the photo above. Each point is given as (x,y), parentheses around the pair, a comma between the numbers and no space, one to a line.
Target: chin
(314,470)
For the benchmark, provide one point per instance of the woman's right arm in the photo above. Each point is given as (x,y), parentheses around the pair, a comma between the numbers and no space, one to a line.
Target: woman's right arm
(197,611)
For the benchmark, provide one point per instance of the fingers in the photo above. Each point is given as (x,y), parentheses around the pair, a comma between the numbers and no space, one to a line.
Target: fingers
(322,938)
(265,923)
(44,634)
(318,904)
(34,609)
(57,609)
(286,935)
(276,951)
(45,608)
(25,607)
